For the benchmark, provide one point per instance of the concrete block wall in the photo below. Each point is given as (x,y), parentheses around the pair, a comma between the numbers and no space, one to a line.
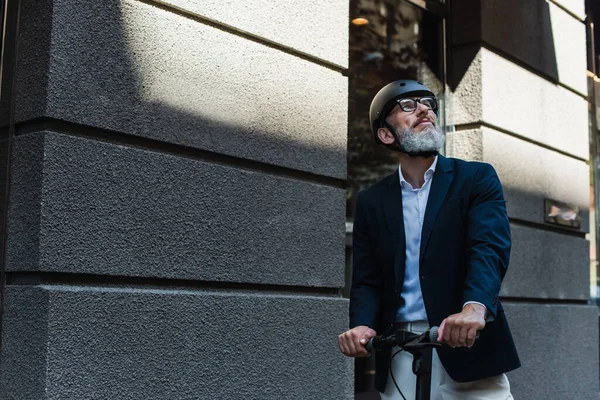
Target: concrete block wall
(518,100)
(175,225)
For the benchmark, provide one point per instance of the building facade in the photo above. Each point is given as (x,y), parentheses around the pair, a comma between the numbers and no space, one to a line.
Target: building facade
(175,219)
(179,178)
(512,76)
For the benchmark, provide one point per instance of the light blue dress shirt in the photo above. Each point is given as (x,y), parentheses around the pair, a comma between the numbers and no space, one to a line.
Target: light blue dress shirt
(414,203)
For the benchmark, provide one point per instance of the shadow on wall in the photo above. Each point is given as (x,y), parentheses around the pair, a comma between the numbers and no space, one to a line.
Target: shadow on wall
(518,30)
(137,68)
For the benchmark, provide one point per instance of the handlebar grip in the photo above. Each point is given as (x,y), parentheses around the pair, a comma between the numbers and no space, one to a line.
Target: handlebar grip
(433,334)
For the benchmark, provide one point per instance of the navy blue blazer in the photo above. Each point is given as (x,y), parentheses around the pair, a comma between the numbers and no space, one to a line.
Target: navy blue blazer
(465,249)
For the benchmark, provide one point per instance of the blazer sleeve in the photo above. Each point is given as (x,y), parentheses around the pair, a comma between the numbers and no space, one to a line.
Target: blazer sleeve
(488,240)
(365,293)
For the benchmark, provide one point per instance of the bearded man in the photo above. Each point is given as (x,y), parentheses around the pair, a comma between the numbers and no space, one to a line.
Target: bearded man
(431,245)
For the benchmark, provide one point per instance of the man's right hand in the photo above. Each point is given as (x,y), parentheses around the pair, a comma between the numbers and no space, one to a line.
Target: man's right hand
(352,342)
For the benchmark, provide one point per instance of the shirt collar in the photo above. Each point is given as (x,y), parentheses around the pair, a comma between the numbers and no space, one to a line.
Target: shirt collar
(428,174)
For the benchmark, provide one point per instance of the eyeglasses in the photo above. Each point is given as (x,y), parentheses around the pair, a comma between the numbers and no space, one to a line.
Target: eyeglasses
(410,105)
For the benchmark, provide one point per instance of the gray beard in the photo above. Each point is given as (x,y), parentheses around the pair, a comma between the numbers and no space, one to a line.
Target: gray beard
(430,139)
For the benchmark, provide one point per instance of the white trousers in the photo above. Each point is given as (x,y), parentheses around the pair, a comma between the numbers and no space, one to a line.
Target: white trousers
(442,386)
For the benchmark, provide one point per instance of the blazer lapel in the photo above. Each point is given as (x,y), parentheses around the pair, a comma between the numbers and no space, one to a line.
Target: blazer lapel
(442,178)
(392,209)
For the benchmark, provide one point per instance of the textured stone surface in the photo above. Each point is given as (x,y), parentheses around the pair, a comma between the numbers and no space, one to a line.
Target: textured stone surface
(548,40)
(528,173)
(526,104)
(499,92)
(303,26)
(534,22)
(135,68)
(570,43)
(465,102)
(24,344)
(120,343)
(547,265)
(26,178)
(466,144)
(100,208)
(558,347)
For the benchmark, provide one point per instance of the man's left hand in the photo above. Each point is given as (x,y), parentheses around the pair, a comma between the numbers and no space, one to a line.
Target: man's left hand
(460,330)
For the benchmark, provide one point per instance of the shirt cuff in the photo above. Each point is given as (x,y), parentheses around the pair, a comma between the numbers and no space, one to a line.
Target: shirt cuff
(476,302)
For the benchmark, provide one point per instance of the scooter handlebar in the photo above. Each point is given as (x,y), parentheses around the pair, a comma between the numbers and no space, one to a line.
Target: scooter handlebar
(378,342)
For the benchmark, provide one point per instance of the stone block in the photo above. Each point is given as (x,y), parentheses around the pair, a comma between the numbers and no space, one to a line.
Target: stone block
(547,265)
(465,101)
(24,344)
(558,347)
(498,92)
(523,103)
(570,43)
(90,207)
(318,28)
(532,43)
(529,174)
(549,40)
(114,343)
(466,144)
(137,69)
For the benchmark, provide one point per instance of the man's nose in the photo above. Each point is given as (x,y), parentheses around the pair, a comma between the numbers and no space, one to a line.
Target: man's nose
(422,109)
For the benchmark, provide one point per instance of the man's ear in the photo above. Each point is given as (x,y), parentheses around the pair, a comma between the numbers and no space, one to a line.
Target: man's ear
(385,136)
